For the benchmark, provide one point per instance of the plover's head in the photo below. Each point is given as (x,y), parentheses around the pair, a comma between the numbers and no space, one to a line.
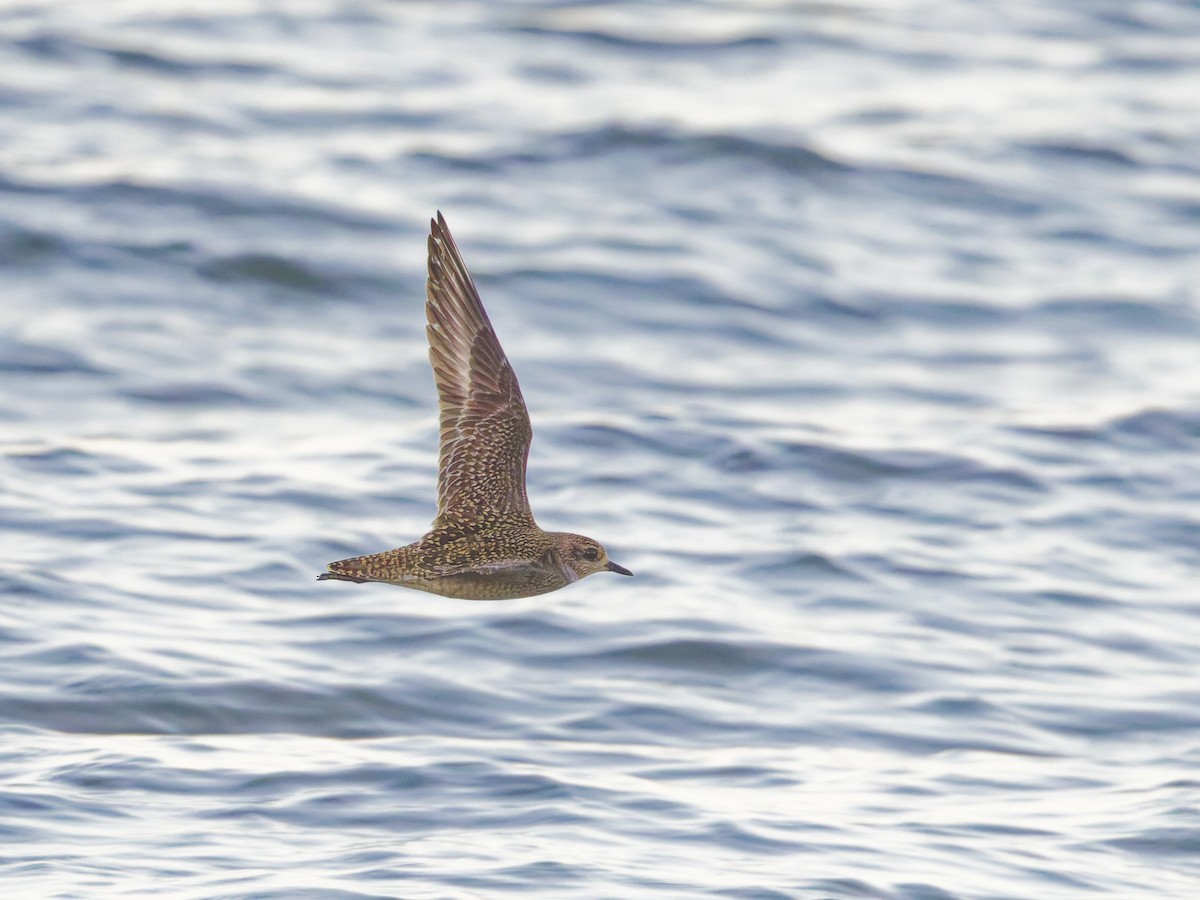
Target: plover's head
(583,556)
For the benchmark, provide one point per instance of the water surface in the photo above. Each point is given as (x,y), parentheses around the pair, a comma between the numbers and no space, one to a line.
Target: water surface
(866,335)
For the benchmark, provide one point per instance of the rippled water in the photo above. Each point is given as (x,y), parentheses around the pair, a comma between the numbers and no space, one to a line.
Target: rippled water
(866,334)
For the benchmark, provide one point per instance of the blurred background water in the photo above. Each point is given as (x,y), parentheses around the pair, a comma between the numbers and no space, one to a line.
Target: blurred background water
(865,333)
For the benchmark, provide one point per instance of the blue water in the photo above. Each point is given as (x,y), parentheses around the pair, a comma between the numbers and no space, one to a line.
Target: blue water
(867,335)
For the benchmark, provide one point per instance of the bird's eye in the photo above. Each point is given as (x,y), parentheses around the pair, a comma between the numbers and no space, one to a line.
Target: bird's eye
(590,554)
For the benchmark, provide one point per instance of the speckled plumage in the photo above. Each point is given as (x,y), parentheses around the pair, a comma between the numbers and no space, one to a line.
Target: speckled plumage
(484,543)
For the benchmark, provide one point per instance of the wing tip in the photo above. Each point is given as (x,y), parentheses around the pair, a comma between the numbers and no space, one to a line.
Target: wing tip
(437,226)
(439,246)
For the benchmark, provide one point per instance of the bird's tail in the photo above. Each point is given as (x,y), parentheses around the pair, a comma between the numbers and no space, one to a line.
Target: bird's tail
(347,570)
(337,576)
(361,569)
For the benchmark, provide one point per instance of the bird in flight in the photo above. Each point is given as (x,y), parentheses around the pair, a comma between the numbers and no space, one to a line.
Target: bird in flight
(484,544)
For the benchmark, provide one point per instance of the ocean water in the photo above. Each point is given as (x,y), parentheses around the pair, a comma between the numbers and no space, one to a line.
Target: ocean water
(866,334)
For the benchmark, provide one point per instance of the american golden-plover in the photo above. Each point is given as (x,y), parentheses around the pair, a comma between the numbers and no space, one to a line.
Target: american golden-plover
(484,544)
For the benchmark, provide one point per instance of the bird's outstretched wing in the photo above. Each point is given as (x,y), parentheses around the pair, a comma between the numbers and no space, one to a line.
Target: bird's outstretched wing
(485,430)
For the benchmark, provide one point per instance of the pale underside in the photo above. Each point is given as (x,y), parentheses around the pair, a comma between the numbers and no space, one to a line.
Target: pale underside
(492,580)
